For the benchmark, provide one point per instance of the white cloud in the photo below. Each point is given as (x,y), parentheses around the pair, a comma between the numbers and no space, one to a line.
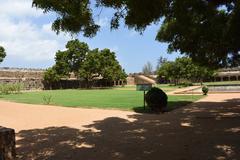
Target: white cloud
(18,8)
(21,37)
(103,22)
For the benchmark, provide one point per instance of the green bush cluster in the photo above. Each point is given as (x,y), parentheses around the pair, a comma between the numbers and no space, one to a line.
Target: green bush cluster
(205,90)
(157,99)
(11,88)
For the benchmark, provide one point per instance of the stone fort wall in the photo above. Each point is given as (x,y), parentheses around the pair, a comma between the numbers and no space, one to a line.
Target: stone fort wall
(33,79)
(30,78)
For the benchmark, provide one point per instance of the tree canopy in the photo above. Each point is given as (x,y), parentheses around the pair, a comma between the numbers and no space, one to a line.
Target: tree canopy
(184,69)
(71,59)
(101,64)
(205,30)
(86,64)
(2,54)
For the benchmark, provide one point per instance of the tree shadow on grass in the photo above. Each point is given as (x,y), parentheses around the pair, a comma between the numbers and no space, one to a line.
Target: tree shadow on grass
(171,106)
(202,131)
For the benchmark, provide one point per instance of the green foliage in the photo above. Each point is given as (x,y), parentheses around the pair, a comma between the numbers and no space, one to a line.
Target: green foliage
(110,67)
(70,60)
(4,89)
(205,90)
(203,30)
(90,67)
(72,16)
(206,31)
(2,54)
(86,64)
(50,75)
(11,88)
(156,99)
(101,63)
(47,99)
(19,87)
(184,69)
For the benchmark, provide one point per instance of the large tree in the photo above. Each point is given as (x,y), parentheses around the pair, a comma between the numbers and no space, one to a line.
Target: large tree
(184,69)
(206,30)
(86,64)
(101,64)
(2,54)
(90,67)
(110,68)
(70,60)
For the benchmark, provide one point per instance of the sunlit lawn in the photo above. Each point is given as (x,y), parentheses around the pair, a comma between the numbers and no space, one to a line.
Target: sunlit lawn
(106,98)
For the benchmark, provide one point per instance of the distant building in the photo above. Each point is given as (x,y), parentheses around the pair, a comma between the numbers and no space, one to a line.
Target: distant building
(228,74)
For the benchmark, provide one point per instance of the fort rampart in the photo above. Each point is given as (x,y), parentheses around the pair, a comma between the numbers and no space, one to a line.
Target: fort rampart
(30,78)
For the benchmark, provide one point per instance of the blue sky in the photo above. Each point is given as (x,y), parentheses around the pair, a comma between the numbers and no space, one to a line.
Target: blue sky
(26,35)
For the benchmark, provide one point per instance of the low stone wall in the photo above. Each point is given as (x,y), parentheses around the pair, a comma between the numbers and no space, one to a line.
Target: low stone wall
(28,83)
(21,73)
(33,79)
(30,78)
(7,144)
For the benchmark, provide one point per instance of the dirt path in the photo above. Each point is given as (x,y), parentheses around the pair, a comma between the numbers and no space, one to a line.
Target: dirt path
(206,130)
(180,91)
(27,116)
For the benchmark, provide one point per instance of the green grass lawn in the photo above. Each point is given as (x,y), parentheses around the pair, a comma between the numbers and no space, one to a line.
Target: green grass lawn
(106,98)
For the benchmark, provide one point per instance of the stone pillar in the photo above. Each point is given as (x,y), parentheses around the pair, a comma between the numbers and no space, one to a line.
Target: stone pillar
(229,78)
(7,144)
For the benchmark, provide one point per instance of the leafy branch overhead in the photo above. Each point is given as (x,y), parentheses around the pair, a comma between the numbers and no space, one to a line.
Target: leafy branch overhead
(73,16)
(206,30)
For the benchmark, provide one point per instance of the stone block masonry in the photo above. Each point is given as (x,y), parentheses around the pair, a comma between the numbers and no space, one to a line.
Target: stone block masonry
(30,78)
(7,144)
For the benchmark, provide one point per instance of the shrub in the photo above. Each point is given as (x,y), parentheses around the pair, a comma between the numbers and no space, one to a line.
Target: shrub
(11,88)
(5,89)
(47,99)
(156,99)
(204,90)
(18,87)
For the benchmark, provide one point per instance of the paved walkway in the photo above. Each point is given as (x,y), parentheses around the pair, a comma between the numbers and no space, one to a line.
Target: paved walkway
(206,130)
